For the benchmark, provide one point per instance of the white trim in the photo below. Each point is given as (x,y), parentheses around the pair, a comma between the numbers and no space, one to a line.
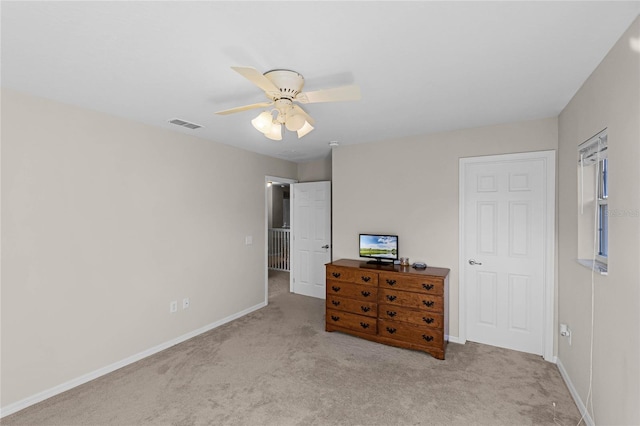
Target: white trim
(574,393)
(268,179)
(454,339)
(594,265)
(549,158)
(549,249)
(63,387)
(462,314)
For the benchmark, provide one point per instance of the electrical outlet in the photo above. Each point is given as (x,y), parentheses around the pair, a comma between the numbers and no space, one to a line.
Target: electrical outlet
(173,307)
(185,303)
(248,240)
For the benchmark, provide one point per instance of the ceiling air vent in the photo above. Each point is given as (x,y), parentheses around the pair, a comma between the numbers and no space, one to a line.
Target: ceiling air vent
(186,124)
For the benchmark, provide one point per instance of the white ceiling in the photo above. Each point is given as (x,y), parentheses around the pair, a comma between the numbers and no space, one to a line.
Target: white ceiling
(422,67)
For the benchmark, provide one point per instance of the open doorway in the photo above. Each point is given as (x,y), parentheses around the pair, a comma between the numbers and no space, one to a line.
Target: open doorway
(278,228)
(278,217)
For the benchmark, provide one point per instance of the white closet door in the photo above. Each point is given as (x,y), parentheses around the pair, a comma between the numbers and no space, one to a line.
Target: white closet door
(504,253)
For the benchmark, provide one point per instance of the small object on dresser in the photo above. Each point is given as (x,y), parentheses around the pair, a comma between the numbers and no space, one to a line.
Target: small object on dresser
(419,265)
(404,261)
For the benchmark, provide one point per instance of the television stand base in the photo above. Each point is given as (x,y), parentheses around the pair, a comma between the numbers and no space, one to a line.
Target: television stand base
(380,262)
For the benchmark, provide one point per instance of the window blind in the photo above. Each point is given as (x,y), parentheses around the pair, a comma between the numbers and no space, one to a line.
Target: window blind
(590,152)
(593,150)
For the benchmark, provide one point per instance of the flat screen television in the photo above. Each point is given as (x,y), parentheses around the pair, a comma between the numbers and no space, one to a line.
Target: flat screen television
(380,248)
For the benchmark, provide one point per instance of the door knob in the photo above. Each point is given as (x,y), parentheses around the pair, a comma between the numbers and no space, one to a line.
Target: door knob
(473,262)
(326,246)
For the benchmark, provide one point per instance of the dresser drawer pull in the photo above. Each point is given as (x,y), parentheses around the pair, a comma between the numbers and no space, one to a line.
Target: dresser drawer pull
(428,304)
(334,288)
(427,338)
(392,313)
(364,325)
(366,279)
(336,274)
(427,286)
(335,302)
(365,293)
(391,282)
(335,318)
(391,298)
(427,320)
(365,308)
(391,330)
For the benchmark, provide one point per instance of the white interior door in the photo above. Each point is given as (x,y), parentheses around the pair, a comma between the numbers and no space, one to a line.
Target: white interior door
(311,236)
(505,224)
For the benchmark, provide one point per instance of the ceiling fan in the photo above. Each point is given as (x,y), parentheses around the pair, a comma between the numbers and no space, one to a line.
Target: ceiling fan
(283,88)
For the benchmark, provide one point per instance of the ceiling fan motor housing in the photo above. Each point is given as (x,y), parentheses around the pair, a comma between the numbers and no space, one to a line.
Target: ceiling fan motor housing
(289,82)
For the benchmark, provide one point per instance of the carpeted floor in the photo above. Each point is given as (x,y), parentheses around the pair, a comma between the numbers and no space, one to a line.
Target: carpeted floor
(277,366)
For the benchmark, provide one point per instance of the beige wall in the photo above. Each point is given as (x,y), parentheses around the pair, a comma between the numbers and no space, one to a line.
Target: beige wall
(409,187)
(104,222)
(314,171)
(609,98)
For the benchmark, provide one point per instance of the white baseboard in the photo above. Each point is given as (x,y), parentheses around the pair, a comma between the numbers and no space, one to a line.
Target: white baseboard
(458,340)
(574,393)
(41,396)
(454,339)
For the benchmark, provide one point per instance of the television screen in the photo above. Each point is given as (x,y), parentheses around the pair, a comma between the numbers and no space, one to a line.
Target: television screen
(379,247)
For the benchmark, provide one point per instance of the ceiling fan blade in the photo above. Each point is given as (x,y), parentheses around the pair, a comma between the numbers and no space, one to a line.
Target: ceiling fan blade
(244,108)
(303,113)
(257,78)
(337,94)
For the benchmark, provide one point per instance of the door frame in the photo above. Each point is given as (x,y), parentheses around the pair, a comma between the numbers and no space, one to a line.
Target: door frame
(268,179)
(549,287)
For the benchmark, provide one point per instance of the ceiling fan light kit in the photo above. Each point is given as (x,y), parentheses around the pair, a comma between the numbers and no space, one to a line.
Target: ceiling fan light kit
(286,114)
(283,88)
(263,121)
(272,128)
(305,129)
(295,122)
(275,132)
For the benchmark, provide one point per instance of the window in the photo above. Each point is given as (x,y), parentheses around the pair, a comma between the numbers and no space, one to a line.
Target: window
(603,211)
(593,215)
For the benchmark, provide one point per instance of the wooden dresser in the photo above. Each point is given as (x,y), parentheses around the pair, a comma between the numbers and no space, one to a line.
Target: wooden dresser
(396,305)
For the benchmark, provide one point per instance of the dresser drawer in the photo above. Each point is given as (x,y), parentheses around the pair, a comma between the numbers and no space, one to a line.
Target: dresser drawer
(418,317)
(356,276)
(351,321)
(351,305)
(411,300)
(429,285)
(415,334)
(352,291)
